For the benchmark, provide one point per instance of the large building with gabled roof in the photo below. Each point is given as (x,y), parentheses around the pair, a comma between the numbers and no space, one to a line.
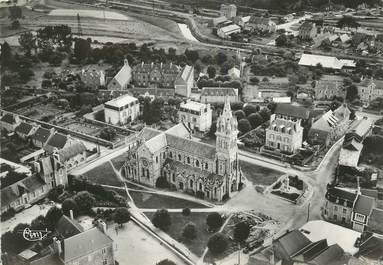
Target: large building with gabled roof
(121,110)
(121,80)
(187,165)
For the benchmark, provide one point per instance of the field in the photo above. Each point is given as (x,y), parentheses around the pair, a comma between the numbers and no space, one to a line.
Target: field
(259,175)
(103,175)
(84,128)
(89,13)
(40,111)
(155,201)
(119,161)
(198,245)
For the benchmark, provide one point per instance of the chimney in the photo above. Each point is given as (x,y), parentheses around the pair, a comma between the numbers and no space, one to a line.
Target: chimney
(71,214)
(57,245)
(101,225)
(126,62)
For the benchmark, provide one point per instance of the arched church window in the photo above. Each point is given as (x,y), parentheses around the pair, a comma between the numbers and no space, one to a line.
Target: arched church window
(173,177)
(171,154)
(147,173)
(197,163)
(188,160)
(179,157)
(200,186)
(156,159)
(206,166)
(191,183)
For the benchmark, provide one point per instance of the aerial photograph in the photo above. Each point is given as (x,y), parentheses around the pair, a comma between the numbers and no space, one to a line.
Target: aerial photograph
(191,132)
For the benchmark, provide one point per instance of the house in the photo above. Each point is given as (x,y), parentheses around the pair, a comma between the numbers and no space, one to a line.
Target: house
(370,89)
(370,251)
(285,132)
(72,154)
(121,80)
(228,11)
(24,130)
(9,122)
(218,94)
(328,87)
(378,43)
(71,245)
(121,110)
(155,75)
(41,136)
(339,205)
(330,126)
(184,81)
(56,141)
(325,61)
(307,31)
(226,31)
(241,21)
(47,173)
(361,213)
(93,78)
(234,73)
(261,24)
(216,22)
(195,115)
(211,172)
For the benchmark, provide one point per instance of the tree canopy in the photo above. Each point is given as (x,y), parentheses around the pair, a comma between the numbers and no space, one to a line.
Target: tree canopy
(161,219)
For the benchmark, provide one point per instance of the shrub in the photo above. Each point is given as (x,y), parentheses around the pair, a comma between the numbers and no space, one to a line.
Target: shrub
(161,219)
(240,114)
(189,231)
(53,216)
(226,197)
(241,185)
(8,214)
(186,212)
(166,262)
(217,243)
(200,194)
(249,109)
(84,200)
(214,220)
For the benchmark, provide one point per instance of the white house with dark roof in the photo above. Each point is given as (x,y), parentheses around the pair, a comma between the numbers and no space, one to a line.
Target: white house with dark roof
(121,110)
(190,166)
(370,89)
(195,115)
(218,94)
(184,81)
(121,80)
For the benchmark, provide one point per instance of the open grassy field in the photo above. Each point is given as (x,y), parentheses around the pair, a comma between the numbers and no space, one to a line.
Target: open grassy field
(155,201)
(198,245)
(103,175)
(259,175)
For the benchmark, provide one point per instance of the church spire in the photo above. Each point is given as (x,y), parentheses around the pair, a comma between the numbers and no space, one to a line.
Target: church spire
(227,107)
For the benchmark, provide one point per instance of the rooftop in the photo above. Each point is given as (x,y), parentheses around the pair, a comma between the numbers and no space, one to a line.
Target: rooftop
(8,118)
(325,61)
(24,128)
(230,28)
(193,105)
(364,205)
(121,101)
(219,91)
(293,111)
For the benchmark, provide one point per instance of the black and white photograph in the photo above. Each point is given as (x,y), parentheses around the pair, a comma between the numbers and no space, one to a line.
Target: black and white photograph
(191,132)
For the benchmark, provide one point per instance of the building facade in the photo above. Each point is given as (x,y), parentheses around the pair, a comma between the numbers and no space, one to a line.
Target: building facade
(369,90)
(285,132)
(122,110)
(196,116)
(261,24)
(185,81)
(121,80)
(338,205)
(228,11)
(307,31)
(218,94)
(189,166)
(155,75)
(226,31)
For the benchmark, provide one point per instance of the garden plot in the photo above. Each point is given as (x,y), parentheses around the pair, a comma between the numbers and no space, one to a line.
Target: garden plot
(259,175)
(41,111)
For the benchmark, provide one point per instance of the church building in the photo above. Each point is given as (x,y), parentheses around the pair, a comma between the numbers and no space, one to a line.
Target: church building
(207,171)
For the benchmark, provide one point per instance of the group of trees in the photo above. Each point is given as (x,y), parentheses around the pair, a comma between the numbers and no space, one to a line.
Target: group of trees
(251,116)
(153,110)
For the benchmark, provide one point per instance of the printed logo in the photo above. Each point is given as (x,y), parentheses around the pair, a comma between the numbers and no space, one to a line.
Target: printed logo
(34,235)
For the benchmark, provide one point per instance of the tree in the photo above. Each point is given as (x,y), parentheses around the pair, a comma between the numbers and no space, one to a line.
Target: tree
(189,231)
(53,216)
(82,49)
(207,59)
(28,42)
(108,133)
(348,21)
(6,54)
(84,200)
(254,80)
(217,243)
(157,109)
(241,231)
(166,262)
(214,221)
(240,114)
(192,55)
(249,109)
(281,40)
(351,93)
(220,58)
(265,113)
(186,212)
(244,126)
(121,215)
(68,205)
(161,219)
(39,223)
(15,13)
(211,71)
(255,120)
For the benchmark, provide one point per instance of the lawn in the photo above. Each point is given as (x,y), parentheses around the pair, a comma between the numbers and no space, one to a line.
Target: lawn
(198,245)
(119,161)
(155,201)
(259,175)
(103,175)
